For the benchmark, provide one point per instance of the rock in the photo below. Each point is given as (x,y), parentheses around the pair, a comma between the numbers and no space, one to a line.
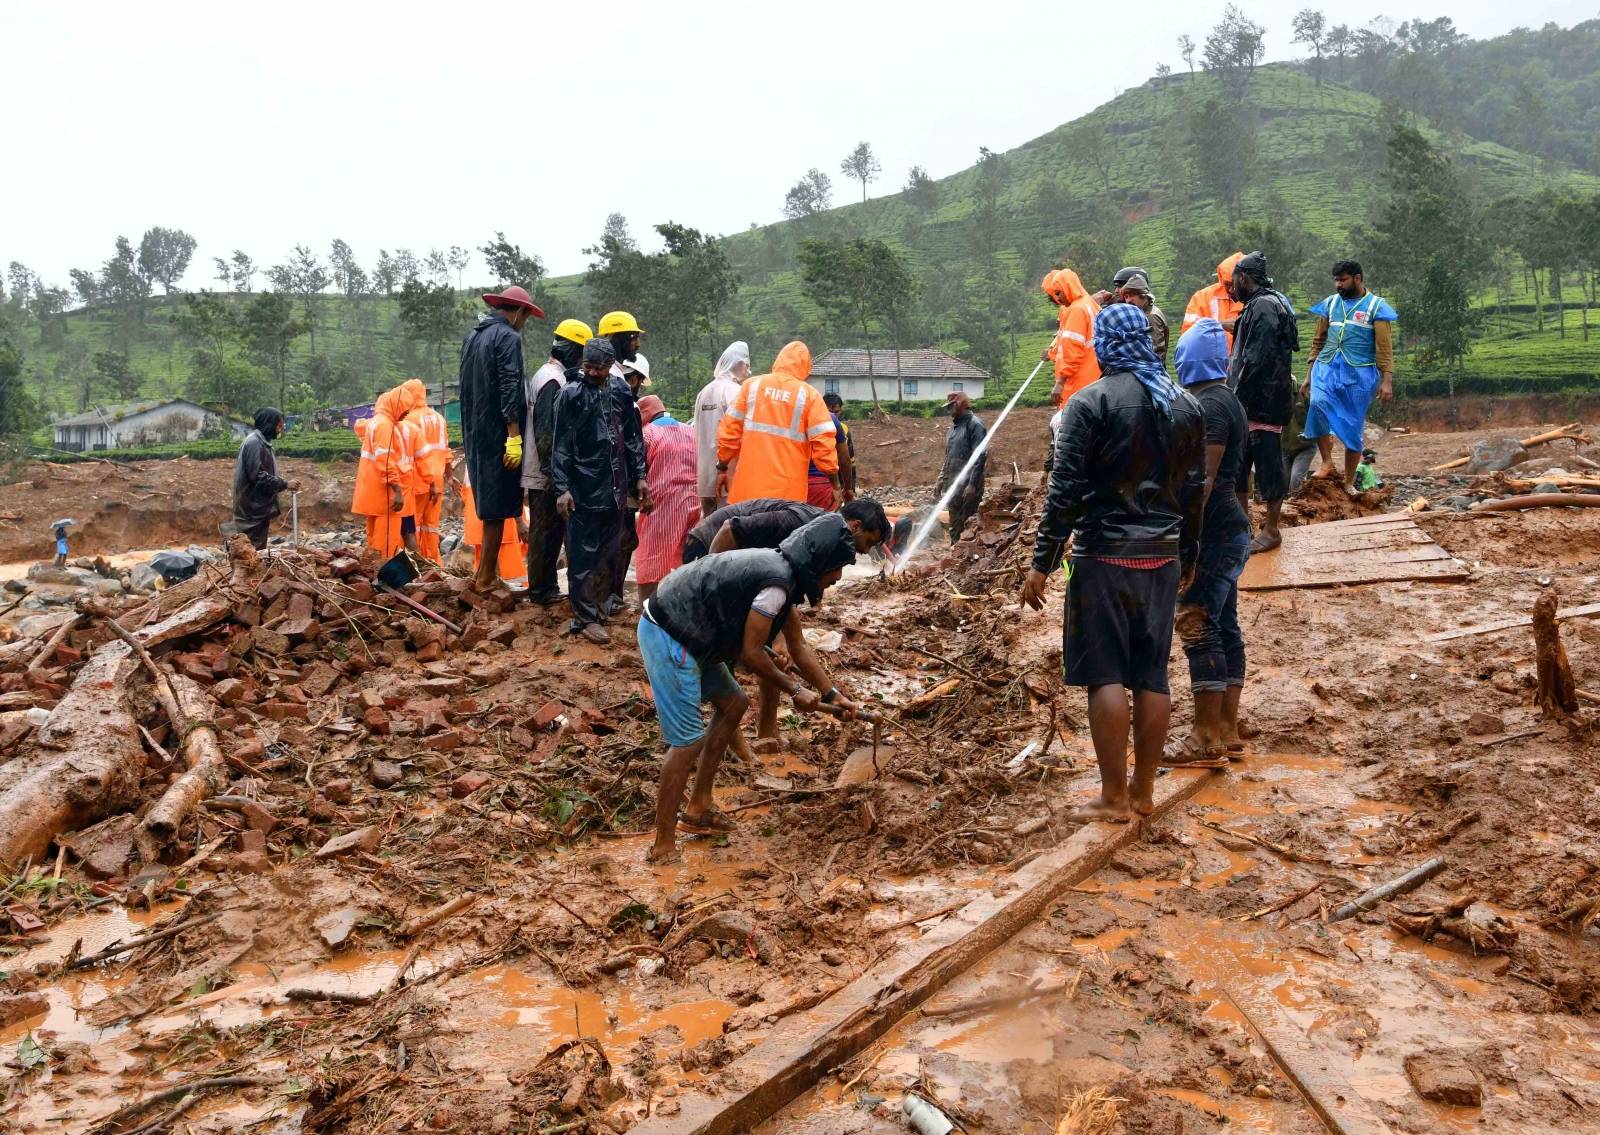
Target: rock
(106,587)
(371,699)
(1507,681)
(335,927)
(339,791)
(49,573)
(468,783)
(1458,503)
(1547,487)
(1482,724)
(252,842)
(376,719)
(22,1006)
(1443,1078)
(832,957)
(1495,453)
(105,848)
(318,678)
(382,774)
(362,839)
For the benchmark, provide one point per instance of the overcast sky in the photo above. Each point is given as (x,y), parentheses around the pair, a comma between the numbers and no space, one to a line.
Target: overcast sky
(259,126)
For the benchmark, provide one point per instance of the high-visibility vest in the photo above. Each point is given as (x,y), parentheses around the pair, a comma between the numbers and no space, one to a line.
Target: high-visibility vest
(385,456)
(433,454)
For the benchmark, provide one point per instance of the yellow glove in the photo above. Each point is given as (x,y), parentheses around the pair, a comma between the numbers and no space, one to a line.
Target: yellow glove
(513,457)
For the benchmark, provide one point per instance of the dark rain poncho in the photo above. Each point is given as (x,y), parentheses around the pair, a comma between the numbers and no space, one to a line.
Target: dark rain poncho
(492,397)
(256,483)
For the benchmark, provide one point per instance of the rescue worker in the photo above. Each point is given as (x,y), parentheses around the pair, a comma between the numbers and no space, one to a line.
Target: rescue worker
(847,446)
(1132,285)
(966,435)
(409,437)
(1215,301)
(432,460)
(256,483)
(1072,350)
(513,555)
(547,528)
(383,474)
(594,463)
(767,522)
(622,331)
(777,428)
(709,406)
(1265,341)
(1353,353)
(721,610)
(493,406)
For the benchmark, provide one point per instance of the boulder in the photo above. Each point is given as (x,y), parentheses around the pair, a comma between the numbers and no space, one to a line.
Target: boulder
(1443,1078)
(1495,453)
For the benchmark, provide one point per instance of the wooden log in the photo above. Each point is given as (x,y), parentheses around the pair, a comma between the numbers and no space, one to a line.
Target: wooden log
(1410,881)
(1539,500)
(1572,430)
(86,761)
(1510,624)
(207,772)
(1556,692)
(41,661)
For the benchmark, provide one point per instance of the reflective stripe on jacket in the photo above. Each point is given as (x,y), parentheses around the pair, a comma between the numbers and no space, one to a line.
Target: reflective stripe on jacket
(777,427)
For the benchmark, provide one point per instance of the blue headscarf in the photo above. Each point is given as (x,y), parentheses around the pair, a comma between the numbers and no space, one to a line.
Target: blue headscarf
(1122,343)
(1202,354)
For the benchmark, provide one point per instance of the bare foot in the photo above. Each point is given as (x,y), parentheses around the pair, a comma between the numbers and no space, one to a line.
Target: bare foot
(1142,805)
(1101,813)
(1325,473)
(766,746)
(662,855)
(708,822)
(1265,541)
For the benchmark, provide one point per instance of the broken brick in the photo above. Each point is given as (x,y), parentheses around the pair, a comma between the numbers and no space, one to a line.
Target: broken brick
(67,655)
(430,714)
(382,774)
(284,710)
(372,699)
(468,783)
(447,742)
(294,694)
(362,839)
(502,631)
(271,588)
(250,752)
(252,842)
(431,651)
(318,678)
(307,629)
(301,606)
(229,691)
(376,719)
(248,615)
(342,567)
(1444,1079)
(339,791)
(268,642)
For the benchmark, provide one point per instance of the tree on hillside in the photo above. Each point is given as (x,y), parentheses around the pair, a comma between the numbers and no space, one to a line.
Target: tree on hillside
(1233,49)
(921,190)
(164,256)
(21,278)
(1087,142)
(459,258)
(115,373)
(47,307)
(305,277)
(809,196)
(1186,49)
(224,273)
(862,165)
(620,277)
(385,276)
(1339,42)
(1425,243)
(1311,29)
(1222,150)
(616,231)
(244,270)
(269,329)
(437,266)
(1097,252)
(85,286)
(125,289)
(1163,75)
(428,314)
(17,411)
(859,285)
(696,282)
(508,264)
(406,266)
(348,275)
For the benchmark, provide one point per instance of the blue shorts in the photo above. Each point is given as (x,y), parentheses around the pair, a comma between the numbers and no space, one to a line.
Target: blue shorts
(679,685)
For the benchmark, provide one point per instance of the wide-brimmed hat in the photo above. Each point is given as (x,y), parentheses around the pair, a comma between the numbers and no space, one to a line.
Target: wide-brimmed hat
(514,296)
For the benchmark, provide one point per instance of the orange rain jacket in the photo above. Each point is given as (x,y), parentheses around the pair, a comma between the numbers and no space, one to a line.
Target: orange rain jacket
(1073,348)
(433,450)
(385,456)
(1215,301)
(777,426)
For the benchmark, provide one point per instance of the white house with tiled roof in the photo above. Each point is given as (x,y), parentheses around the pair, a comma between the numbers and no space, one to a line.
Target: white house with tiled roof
(916,375)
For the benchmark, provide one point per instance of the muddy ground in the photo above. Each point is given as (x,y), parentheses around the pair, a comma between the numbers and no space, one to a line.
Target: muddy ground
(515,768)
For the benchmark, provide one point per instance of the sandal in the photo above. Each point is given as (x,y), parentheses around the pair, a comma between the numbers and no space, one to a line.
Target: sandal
(709,822)
(1189,754)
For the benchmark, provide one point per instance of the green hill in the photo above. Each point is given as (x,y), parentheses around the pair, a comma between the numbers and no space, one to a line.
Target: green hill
(1123,184)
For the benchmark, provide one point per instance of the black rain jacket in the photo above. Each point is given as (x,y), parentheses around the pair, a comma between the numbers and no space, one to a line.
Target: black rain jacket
(256,483)
(597,458)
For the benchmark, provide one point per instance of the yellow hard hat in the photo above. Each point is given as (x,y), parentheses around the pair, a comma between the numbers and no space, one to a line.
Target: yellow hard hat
(618,322)
(574,330)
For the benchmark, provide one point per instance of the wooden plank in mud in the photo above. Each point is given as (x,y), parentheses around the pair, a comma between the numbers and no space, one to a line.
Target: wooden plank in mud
(1511,624)
(1342,1110)
(1367,549)
(801,1049)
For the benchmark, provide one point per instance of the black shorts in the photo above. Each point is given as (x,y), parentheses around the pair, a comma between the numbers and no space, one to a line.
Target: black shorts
(1119,625)
(693,549)
(1264,454)
(408,526)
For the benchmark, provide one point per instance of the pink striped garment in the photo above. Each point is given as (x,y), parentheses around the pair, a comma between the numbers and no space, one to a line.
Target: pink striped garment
(670,454)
